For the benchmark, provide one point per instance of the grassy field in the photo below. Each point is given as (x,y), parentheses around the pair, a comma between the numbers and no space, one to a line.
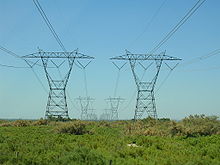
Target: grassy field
(192,141)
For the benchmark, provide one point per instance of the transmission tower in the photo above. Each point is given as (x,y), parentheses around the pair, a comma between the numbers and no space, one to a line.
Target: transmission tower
(57,102)
(114,106)
(106,115)
(86,107)
(86,102)
(145,100)
(115,101)
(92,117)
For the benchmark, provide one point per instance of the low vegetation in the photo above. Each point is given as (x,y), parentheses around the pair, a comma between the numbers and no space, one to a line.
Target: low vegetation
(195,140)
(191,126)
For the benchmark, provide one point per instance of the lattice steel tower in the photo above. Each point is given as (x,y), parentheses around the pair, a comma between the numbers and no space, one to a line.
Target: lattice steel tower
(145,89)
(115,101)
(86,107)
(57,102)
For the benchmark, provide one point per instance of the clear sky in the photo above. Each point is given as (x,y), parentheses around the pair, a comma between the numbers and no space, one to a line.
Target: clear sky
(104,29)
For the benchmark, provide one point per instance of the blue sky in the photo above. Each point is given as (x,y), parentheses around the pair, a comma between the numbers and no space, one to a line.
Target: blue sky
(104,29)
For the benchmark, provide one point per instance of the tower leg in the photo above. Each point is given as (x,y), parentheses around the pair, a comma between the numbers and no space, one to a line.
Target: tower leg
(145,102)
(57,104)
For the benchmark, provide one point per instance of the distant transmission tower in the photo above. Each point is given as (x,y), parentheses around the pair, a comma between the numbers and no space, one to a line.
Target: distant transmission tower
(86,102)
(92,116)
(145,89)
(86,107)
(106,115)
(114,106)
(114,101)
(57,103)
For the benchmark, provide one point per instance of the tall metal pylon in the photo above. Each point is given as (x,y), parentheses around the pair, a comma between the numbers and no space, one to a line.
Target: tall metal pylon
(86,107)
(106,115)
(57,102)
(145,100)
(86,102)
(114,102)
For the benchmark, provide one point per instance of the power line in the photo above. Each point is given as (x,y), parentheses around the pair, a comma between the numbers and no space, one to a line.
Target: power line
(201,58)
(12,66)
(133,95)
(180,23)
(149,23)
(17,56)
(55,35)
(71,101)
(38,79)
(10,52)
(197,59)
(52,30)
(85,81)
(68,95)
(49,25)
(83,67)
(163,82)
(201,69)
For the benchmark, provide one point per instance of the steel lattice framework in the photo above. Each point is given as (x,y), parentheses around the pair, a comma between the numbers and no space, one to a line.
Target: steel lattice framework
(114,106)
(106,115)
(145,89)
(114,102)
(57,101)
(86,105)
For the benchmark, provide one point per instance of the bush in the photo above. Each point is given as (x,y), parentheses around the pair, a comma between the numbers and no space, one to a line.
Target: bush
(6,124)
(59,118)
(197,125)
(200,125)
(21,123)
(104,124)
(76,128)
(40,122)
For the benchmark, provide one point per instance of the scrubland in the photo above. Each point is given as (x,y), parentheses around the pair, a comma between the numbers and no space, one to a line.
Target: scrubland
(194,140)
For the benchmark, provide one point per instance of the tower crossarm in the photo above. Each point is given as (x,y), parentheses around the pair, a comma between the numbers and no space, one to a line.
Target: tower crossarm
(131,56)
(73,54)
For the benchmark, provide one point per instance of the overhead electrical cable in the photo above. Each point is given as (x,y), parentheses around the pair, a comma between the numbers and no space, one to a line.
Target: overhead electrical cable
(201,69)
(164,80)
(149,23)
(201,58)
(138,37)
(12,66)
(9,52)
(55,35)
(171,33)
(49,25)
(17,56)
(85,82)
(116,83)
(38,79)
(180,23)
(189,62)
(133,95)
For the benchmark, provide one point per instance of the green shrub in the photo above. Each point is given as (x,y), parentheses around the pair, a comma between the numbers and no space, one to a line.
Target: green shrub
(40,122)
(200,125)
(104,124)
(6,124)
(84,155)
(197,125)
(76,128)
(21,123)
